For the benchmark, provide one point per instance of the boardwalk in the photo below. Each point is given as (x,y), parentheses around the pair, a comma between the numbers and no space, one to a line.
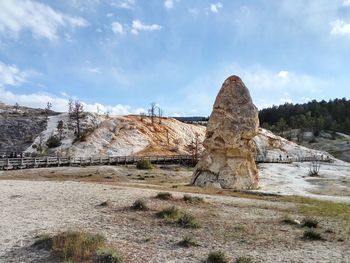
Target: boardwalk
(47,161)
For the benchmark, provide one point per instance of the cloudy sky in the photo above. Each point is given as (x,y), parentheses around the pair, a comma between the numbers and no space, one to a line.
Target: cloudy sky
(121,55)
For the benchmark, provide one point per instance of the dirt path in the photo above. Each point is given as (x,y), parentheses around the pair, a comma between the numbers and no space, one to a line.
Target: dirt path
(235,225)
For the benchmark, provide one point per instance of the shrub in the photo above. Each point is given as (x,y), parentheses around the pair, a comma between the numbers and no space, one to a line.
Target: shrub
(170,213)
(187,220)
(164,196)
(244,259)
(310,222)
(53,142)
(73,245)
(217,257)
(139,205)
(312,234)
(193,199)
(144,165)
(187,241)
(108,255)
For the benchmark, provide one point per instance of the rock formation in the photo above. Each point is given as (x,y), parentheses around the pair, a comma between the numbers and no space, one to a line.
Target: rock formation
(229,157)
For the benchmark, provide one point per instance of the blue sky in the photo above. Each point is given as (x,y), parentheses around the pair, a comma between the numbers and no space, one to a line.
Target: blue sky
(121,55)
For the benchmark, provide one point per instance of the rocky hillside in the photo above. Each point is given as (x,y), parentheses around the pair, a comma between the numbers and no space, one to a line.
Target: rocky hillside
(19,126)
(119,135)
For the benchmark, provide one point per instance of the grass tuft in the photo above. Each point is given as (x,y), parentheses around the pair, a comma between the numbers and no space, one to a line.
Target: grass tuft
(193,199)
(312,234)
(108,255)
(310,222)
(217,257)
(187,241)
(144,165)
(139,205)
(171,212)
(164,196)
(187,220)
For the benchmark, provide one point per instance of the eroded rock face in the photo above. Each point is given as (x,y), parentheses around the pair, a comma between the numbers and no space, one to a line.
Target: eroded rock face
(229,157)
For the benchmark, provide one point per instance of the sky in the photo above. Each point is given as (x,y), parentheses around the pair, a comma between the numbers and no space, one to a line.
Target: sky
(118,56)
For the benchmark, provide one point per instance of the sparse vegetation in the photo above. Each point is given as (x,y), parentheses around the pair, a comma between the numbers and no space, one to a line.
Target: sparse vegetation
(170,213)
(53,142)
(193,199)
(72,245)
(139,205)
(108,255)
(312,234)
(217,257)
(164,196)
(187,241)
(144,165)
(187,220)
(244,259)
(310,222)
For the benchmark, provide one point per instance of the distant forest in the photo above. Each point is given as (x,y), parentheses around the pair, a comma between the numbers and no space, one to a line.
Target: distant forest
(333,115)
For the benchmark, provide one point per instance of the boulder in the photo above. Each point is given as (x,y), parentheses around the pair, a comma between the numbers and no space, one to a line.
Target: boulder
(228,160)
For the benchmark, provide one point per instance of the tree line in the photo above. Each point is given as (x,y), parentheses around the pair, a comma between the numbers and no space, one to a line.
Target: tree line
(314,116)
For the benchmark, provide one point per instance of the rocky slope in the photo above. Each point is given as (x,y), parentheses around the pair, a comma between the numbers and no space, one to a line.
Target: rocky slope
(19,126)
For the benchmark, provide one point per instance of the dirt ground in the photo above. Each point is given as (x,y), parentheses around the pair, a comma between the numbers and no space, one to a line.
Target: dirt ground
(52,200)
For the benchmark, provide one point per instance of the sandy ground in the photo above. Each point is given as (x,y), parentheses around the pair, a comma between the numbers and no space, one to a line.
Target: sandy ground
(48,203)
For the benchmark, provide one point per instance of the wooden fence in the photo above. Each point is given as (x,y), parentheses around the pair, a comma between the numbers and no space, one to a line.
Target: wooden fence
(47,161)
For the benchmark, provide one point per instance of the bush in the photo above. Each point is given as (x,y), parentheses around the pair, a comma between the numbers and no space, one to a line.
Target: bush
(72,245)
(187,241)
(139,205)
(164,196)
(108,255)
(170,213)
(144,165)
(187,221)
(53,142)
(217,257)
(193,199)
(312,234)
(310,222)
(43,242)
(244,259)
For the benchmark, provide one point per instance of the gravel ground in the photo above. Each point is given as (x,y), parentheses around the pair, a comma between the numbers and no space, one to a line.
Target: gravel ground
(235,225)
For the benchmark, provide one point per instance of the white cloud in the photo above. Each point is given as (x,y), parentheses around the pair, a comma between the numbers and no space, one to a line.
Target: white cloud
(346,3)
(60,104)
(94,70)
(38,18)
(215,7)
(340,27)
(126,4)
(283,74)
(168,4)
(117,28)
(11,75)
(109,14)
(137,26)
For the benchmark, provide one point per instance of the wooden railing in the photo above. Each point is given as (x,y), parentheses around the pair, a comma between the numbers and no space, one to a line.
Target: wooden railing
(47,161)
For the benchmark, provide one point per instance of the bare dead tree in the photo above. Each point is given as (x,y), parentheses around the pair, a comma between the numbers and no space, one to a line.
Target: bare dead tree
(152,111)
(16,107)
(315,166)
(194,148)
(48,109)
(76,110)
